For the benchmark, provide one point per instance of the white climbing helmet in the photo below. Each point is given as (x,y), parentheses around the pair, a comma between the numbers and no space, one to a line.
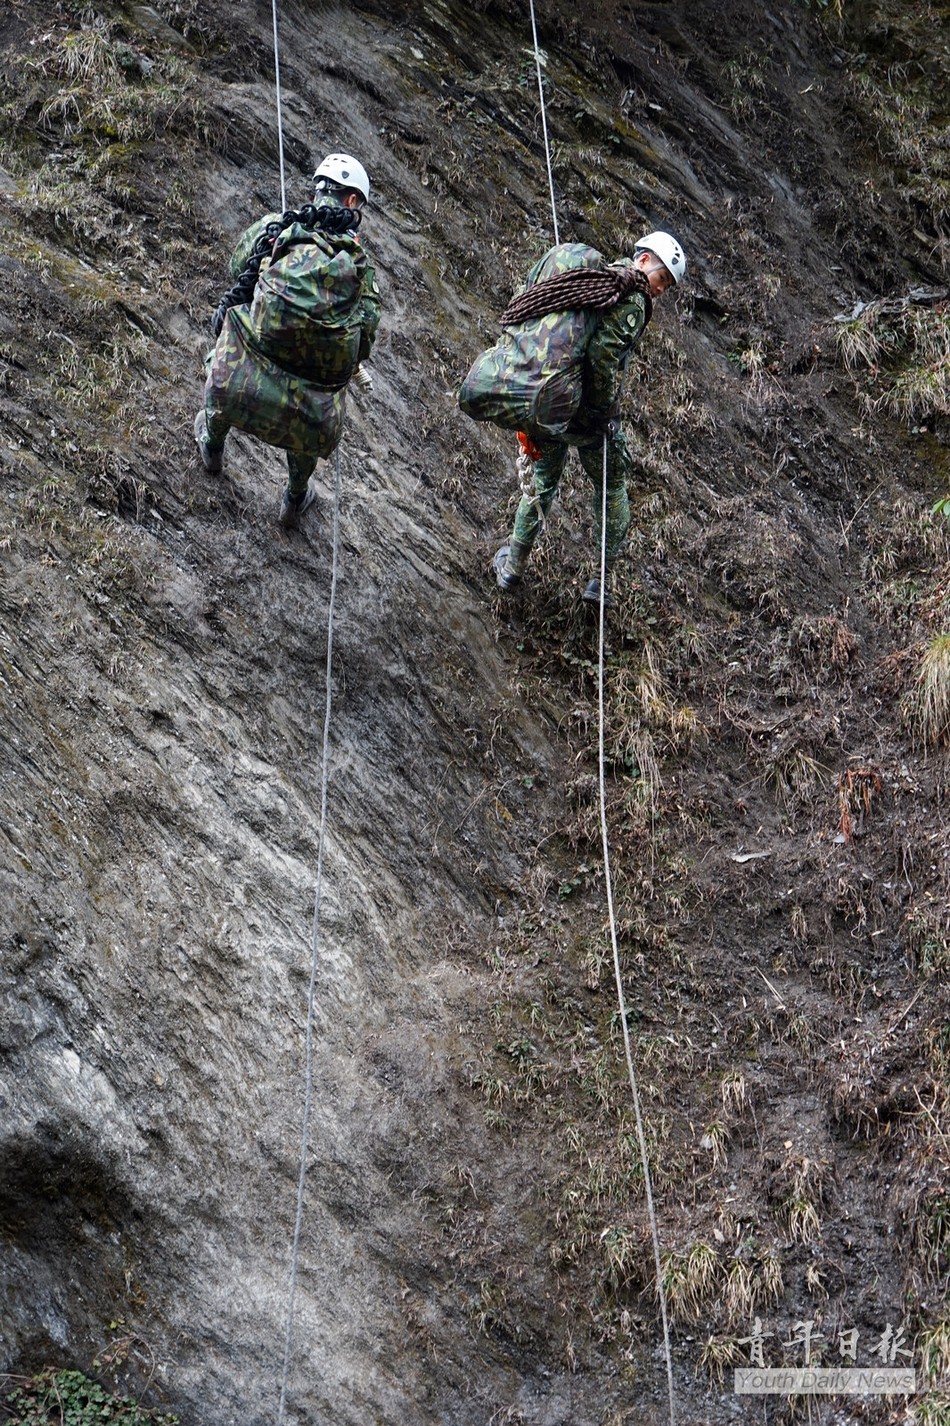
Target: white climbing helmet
(345,170)
(668,250)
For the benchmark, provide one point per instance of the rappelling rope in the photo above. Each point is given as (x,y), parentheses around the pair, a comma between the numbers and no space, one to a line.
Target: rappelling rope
(280,120)
(605,839)
(321,844)
(314,957)
(631,1072)
(621,998)
(544,121)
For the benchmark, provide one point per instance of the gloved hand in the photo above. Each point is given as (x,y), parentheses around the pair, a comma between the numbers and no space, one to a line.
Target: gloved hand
(363,378)
(217,321)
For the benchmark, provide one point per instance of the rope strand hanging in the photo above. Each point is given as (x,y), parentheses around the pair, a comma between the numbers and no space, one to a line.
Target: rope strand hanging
(621,998)
(280,117)
(544,122)
(314,957)
(605,839)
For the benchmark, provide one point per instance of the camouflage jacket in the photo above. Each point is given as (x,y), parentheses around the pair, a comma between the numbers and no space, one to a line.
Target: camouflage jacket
(557,375)
(257,394)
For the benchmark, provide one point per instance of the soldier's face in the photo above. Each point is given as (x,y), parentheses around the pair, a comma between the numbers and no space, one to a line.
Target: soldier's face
(657,275)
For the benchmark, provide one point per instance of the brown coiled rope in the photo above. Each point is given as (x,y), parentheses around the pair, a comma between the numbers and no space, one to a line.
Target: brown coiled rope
(582,287)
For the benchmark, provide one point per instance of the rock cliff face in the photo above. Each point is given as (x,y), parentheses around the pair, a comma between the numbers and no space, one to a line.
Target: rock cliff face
(474,1242)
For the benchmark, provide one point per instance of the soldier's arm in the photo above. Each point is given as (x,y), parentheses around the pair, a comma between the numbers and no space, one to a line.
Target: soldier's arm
(245,244)
(369,307)
(617,335)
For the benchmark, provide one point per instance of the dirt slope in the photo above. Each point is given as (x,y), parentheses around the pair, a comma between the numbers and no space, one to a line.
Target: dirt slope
(475,1244)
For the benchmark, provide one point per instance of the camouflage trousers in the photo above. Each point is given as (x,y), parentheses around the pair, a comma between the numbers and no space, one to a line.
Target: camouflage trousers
(247,391)
(547,477)
(300,467)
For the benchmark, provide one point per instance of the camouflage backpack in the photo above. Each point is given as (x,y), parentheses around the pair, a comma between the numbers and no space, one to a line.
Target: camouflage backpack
(306,314)
(532,379)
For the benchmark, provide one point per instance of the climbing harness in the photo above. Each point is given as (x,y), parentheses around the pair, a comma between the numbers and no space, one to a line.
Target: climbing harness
(314,956)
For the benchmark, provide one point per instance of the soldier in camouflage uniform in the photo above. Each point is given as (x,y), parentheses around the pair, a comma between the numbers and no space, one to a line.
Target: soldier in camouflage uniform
(557,378)
(292,400)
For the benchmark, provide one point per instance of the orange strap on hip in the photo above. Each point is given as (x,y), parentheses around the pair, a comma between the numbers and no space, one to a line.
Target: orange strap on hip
(528,446)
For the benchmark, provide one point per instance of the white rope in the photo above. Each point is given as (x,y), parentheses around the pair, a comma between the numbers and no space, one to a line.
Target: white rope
(280,121)
(621,998)
(314,958)
(524,467)
(544,122)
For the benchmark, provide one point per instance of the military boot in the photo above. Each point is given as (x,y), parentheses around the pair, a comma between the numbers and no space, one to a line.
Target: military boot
(509,565)
(292,507)
(212,457)
(591,593)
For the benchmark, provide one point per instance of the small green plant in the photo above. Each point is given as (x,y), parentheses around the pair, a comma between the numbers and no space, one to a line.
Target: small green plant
(623,1252)
(745,81)
(68,1398)
(928,936)
(933,1233)
(932,1410)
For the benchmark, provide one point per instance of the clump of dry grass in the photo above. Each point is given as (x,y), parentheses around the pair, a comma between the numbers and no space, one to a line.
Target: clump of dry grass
(691,1280)
(110,92)
(928,935)
(719,1353)
(801,1190)
(931,694)
(904,346)
(933,1346)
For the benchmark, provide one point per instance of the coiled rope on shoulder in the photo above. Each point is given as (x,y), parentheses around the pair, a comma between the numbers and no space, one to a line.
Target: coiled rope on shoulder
(314,958)
(599,289)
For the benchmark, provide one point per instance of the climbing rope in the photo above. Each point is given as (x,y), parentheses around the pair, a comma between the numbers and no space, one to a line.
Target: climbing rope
(280,119)
(314,957)
(524,469)
(621,998)
(631,1072)
(544,122)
